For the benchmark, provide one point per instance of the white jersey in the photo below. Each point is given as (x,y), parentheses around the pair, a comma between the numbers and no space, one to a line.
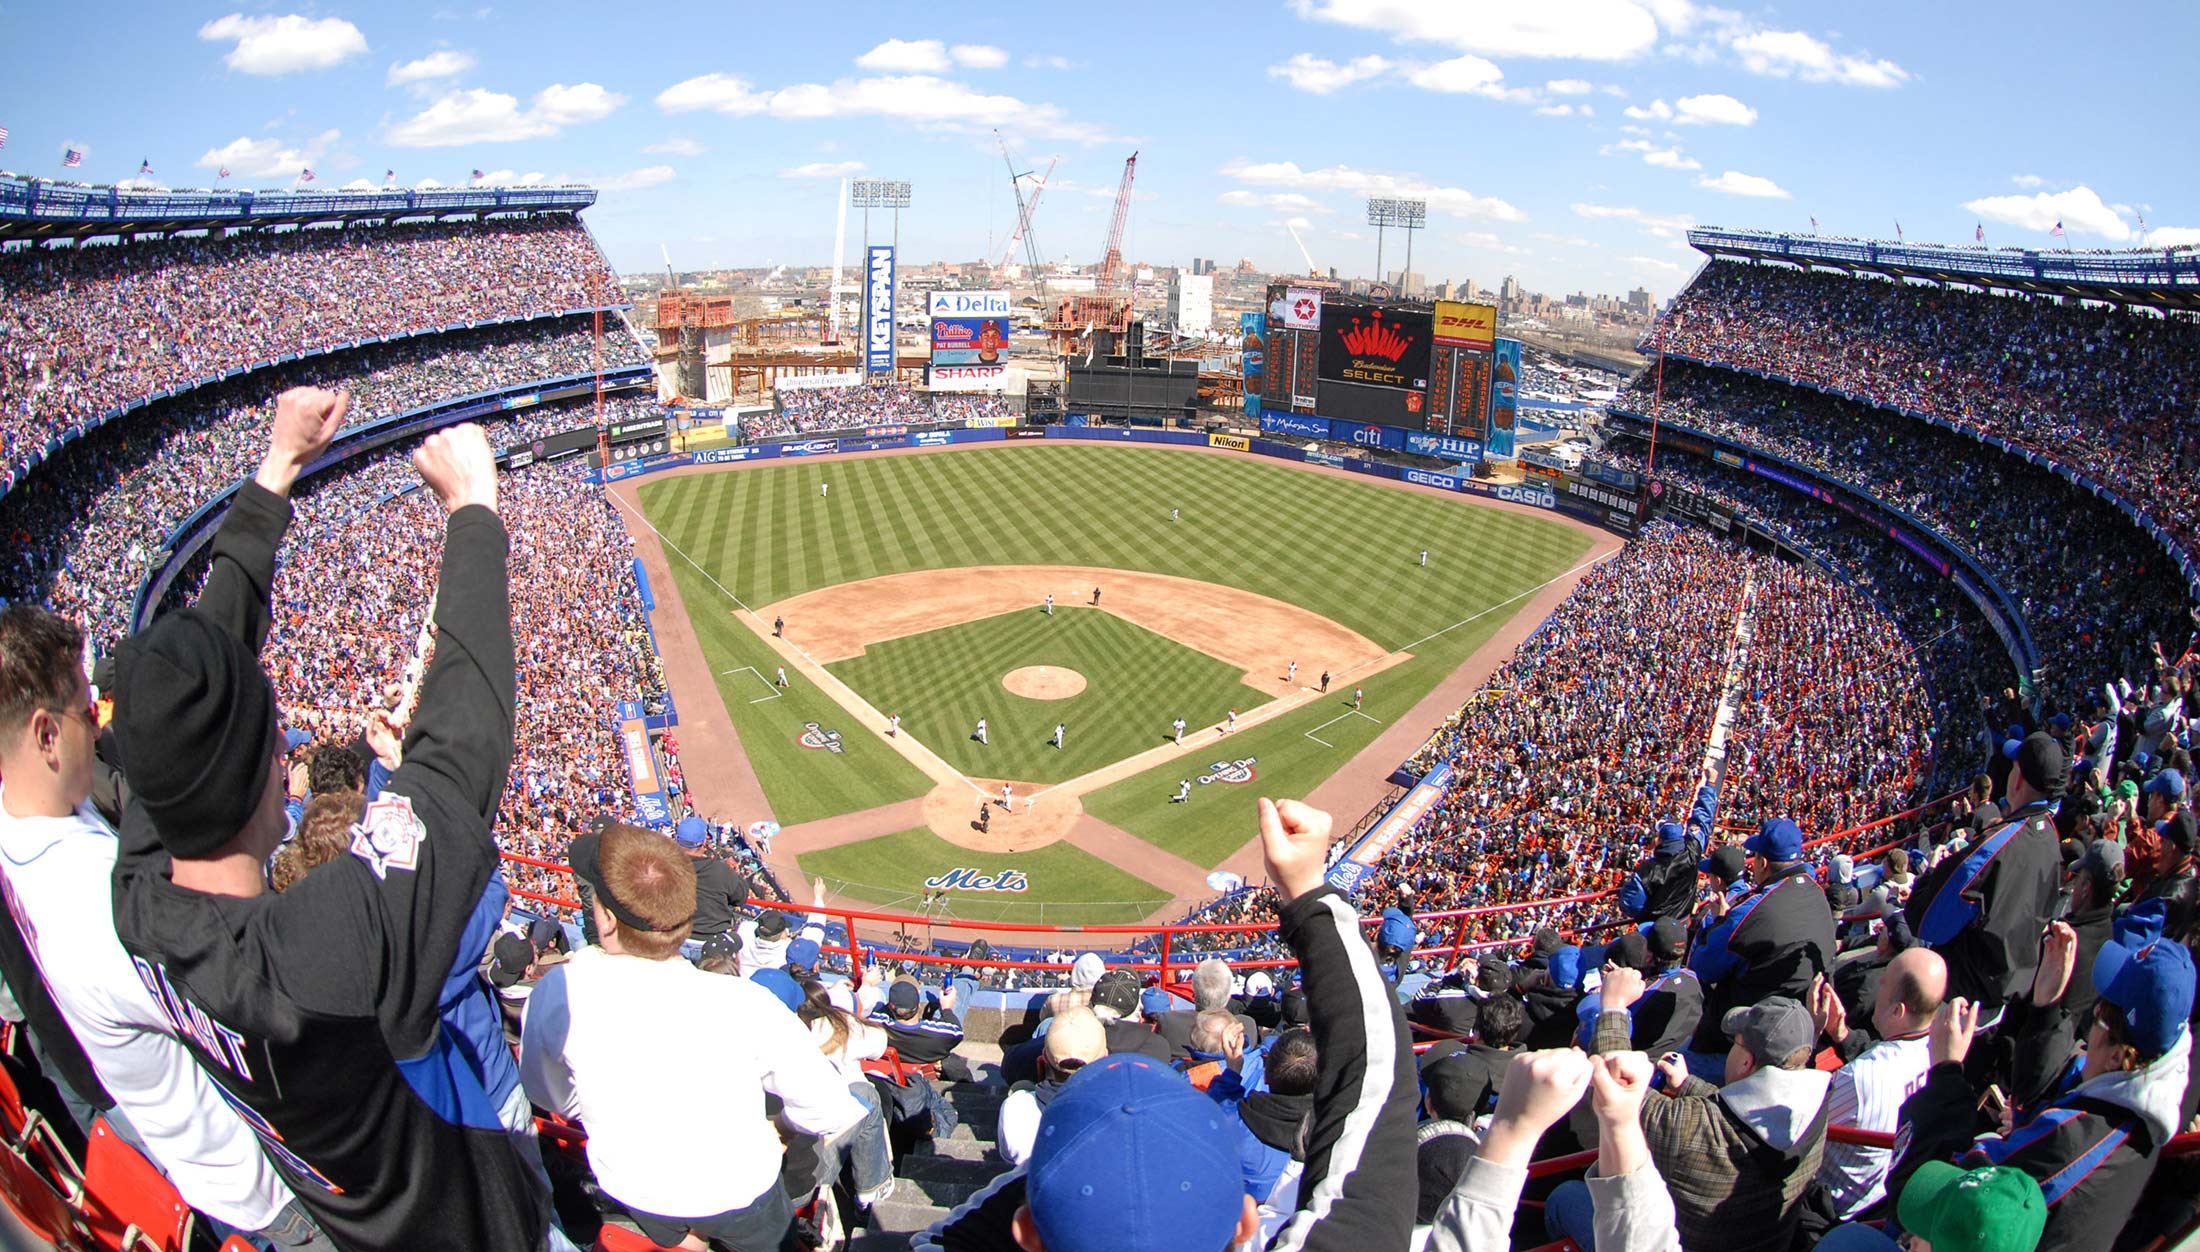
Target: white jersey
(58,874)
(1867,1093)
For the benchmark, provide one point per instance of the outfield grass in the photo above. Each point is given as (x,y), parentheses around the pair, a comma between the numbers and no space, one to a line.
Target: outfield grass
(1343,548)
(1069,886)
(943,681)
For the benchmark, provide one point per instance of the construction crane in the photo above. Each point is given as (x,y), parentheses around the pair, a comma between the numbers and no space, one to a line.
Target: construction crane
(1312,270)
(1112,274)
(1024,210)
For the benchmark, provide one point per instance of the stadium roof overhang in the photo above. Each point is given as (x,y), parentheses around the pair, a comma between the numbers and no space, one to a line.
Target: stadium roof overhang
(2165,279)
(38,209)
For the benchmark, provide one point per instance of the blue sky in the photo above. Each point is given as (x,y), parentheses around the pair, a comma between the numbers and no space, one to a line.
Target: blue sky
(1569,142)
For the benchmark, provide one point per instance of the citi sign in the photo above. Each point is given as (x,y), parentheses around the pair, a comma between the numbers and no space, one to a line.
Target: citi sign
(879,310)
(1368,436)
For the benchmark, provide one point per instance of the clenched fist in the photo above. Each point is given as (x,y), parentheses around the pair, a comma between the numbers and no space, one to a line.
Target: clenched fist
(458,467)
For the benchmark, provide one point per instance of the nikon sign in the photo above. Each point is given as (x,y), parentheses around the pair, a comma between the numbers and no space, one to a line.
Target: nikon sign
(878,311)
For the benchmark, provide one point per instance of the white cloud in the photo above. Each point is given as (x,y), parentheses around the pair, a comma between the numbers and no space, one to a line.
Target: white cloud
(427,184)
(1565,110)
(1487,242)
(1738,184)
(915,55)
(445,64)
(2027,180)
(1285,201)
(497,178)
(979,56)
(268,158)
(1713,110)
(1655,111)
(1634,130)
(1590,30)
(1670,159)
(634,180)
(2171,237)
(475,115)
(1655,262)
(675,147)
(920,98)
(2078,209)
(1455,201)
(283,45)
(1662,226)
(823,169)
(359,184)
(1047,61)
(1569,87)
(1459,74)
(1782,53)
(1308,72)
(1563,241)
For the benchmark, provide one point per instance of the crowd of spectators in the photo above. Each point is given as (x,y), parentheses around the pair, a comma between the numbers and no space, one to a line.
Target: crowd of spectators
(89,523)
(849,408)
(85,330)
(2094,608)
(2108,391)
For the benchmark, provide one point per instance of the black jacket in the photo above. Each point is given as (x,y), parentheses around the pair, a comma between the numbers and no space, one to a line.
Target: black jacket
(719,891)
(1772,942)
(2182,889)
(1663,886)
(1360,1169)
(1449,1004)
(1463,1080)
(1983,908)
(1136,1037)
(317,1009)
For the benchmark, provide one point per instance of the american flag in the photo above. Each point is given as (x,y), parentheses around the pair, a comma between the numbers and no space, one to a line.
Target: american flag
(477,176)
(1814,222)
(71,158)
(3,136)
(145,168)
(223,172)
(389,176)
(1898,228)
(305,176)
(2058,231)
(1978,232)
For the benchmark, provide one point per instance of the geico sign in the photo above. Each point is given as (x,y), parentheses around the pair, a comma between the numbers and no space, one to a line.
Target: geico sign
(1446,481)
(1526,495)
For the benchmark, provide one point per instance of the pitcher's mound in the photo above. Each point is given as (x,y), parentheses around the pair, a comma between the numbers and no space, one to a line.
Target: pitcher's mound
(1043,682)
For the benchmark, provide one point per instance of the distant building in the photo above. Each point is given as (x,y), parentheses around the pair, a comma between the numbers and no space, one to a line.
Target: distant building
(1639,302)
(1192,303)
(1509,290)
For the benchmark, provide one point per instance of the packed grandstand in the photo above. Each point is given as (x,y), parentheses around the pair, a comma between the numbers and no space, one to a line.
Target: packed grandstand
(1886,870)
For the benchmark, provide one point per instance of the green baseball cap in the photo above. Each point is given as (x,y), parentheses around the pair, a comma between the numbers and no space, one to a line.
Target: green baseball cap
(1995,1209)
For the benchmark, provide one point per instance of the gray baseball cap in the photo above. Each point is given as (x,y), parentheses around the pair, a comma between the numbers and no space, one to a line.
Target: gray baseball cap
(1773,1029)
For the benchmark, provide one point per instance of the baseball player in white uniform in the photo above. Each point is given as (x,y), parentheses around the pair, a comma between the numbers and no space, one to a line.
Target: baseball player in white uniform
(1178,724)
(1424,558)
(1231,724)
(1183,791)
(979,734)
(1060,731)
(1292,673)
(1172,514)
(1050,604)
(1008,798)
(782,675)
(824,489)
(893,724)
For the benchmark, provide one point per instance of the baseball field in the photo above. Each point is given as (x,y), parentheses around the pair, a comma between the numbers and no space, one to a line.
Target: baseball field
(906,596)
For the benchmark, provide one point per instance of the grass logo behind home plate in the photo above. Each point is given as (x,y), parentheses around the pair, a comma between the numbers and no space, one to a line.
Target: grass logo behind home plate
(1238,771)
(969,879)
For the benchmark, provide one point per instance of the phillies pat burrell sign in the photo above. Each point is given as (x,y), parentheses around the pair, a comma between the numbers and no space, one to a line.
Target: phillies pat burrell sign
(878,310)
(969,879)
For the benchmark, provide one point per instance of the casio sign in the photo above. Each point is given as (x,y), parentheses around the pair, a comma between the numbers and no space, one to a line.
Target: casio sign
(1526,495)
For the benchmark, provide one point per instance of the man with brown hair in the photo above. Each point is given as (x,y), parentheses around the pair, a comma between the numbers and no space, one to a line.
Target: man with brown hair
(694,1164)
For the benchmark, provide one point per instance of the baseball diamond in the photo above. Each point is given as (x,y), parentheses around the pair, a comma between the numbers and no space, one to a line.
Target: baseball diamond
(921,581)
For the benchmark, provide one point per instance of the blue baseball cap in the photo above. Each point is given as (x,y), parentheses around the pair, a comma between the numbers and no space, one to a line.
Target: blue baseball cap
(2060,723)
(2010,747)
(2169,784)
(1669,836)
(1779,839)
(2153,984)
(1130,1157)
(693,832)
(294,739)
(803,952)
(782,984)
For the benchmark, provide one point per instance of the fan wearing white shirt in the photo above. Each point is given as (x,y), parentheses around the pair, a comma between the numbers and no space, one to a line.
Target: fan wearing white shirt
(693,1164)
(1868,1091)
(57,859)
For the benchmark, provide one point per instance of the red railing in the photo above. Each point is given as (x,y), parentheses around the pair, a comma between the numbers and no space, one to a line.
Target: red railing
(1169,953)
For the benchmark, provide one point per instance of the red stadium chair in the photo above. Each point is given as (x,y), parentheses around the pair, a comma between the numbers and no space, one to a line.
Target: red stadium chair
(130,1205)
(236,1243)
(620,1239)
(38,1205)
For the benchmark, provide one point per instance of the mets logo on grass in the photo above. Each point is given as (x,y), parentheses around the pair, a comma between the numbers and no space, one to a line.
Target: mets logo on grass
(970,879)
(814,736)
(1238,771)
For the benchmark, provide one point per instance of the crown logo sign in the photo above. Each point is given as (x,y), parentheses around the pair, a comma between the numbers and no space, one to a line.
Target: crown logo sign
(1372,338)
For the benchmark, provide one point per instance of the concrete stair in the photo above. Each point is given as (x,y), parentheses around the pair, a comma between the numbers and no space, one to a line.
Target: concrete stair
(931,1183)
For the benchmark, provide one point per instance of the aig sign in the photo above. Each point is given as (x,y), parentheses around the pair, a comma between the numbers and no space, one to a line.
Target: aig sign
(878,311)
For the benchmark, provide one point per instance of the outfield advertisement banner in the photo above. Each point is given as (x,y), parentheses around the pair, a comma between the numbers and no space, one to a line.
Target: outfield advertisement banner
(1461,325)
(993,378)
(1295,424)
(970,327)
(1504,397)
(1444,446)
(1253,327)
(1296,308)
(1368,435)
(878,310)
(641,766)
(1236,443)
(1395,825)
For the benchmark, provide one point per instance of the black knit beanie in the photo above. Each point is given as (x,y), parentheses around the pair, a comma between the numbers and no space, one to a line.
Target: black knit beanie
(195,722)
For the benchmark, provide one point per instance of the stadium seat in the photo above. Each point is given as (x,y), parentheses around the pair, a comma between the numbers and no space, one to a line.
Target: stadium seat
(130,1205)
(36,1203)
(620,1239)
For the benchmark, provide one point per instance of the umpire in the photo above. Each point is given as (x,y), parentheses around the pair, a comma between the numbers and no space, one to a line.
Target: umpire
(318,1009)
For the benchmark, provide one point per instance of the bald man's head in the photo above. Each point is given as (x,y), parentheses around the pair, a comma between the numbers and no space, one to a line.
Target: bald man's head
(1910,993)
(1077,1038)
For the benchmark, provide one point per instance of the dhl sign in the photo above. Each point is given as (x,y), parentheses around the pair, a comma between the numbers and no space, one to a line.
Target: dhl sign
(1460,325)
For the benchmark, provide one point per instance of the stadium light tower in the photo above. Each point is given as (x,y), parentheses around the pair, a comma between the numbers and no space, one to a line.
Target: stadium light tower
(1407,215)
(879,193)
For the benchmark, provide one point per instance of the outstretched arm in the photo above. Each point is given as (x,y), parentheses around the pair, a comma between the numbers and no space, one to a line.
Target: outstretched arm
(241,581)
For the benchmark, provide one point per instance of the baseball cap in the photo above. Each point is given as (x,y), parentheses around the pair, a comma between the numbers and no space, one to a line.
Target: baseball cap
(1445,1147)
(1131,1158)
(904,995)
(2169,784)
(693,832)
(1087,970)
(1727,864)
(1669,836)
(509,958)
(294,739)
(1995,1209)
(2040,759)
(1259,984)
(1779,839)
(545,934)
(1116,990)
(2153,984)
(2060,723)
(2178,830)
(1668,939)
(772,923)
(727,944)
(1773,1029)
(1631,950)
(803,952)
(782,984)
